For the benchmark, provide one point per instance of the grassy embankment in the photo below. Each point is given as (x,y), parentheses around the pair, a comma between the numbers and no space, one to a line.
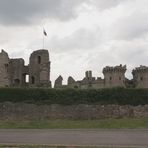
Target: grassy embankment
(119,96)
(77,124)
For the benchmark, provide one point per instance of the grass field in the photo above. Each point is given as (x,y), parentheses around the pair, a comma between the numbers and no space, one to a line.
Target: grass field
(77,124)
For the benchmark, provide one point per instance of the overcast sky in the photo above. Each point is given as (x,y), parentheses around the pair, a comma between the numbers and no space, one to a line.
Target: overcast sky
(82,34)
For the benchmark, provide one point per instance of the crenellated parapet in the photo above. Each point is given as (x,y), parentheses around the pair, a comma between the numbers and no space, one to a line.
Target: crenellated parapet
(114,76)
(109,69)
(140,77)
(141,69)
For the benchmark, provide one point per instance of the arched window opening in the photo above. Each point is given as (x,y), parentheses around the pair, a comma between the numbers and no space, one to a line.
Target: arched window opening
(39,59)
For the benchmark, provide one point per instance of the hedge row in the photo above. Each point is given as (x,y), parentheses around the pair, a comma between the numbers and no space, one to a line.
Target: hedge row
(119,96)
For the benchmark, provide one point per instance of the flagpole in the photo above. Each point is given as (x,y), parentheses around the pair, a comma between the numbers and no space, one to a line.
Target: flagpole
(43,38)
(43,41)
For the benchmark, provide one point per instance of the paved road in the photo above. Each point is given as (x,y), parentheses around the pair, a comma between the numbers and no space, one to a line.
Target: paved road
(138,138)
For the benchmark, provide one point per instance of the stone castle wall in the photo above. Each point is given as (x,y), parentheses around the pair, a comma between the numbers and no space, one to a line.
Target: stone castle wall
(39,68)
(4,75)
(16,71)
(113,77)
(13,72)
(140,77)
(19,111)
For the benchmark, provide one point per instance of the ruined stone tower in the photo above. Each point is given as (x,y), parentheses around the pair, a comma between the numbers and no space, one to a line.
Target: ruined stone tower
(114,76)
(140,77)
(58,82)
(13,72)
(4,74)
(39,68)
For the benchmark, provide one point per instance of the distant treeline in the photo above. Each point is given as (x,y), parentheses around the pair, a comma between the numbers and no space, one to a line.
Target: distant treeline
(118,96)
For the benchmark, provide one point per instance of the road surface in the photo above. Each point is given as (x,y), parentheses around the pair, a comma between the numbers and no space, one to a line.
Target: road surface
(130,138)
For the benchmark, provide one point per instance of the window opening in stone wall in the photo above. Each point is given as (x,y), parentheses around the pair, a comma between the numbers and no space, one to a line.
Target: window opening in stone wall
(39,59)
(141,78)
(6,67)
(16,81)
(119,78)
(32,80)
(26,78)
(110,78)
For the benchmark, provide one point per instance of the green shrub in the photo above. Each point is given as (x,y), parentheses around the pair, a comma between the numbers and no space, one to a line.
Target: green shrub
(119,96)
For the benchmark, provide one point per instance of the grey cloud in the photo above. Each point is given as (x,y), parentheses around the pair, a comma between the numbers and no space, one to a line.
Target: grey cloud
(82,39)
(106,4)
(131,27)
(131,52)
(28,11)
(16,12)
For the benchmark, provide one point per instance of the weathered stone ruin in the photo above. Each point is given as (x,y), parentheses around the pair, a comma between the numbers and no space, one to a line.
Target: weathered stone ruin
(13,72)
(58,82)
(113,77)
(140,77)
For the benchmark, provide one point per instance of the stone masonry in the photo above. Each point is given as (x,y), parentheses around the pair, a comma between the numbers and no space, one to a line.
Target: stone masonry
(113,77)
(4,76)
(13,72)
(140,77)
(21,111)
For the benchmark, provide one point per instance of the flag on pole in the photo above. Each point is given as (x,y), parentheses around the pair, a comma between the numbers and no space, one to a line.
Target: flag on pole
(44,32)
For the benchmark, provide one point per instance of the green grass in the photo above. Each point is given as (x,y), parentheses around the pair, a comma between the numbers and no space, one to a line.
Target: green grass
(77,124)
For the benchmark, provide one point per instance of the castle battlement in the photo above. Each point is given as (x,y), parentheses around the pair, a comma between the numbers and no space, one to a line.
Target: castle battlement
(141,69)
(119,68)
(14,73)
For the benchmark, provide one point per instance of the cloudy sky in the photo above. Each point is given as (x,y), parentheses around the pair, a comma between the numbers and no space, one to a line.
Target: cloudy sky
(82,34)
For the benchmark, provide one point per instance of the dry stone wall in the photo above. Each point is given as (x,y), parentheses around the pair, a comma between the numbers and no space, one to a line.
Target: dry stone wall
(19,111)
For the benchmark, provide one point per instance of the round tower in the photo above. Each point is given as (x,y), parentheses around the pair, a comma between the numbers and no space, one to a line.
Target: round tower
(114,76)
(140,77)
(39,68)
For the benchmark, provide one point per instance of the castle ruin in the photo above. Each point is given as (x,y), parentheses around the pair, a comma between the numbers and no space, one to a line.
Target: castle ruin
(113,77)
(13,72)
